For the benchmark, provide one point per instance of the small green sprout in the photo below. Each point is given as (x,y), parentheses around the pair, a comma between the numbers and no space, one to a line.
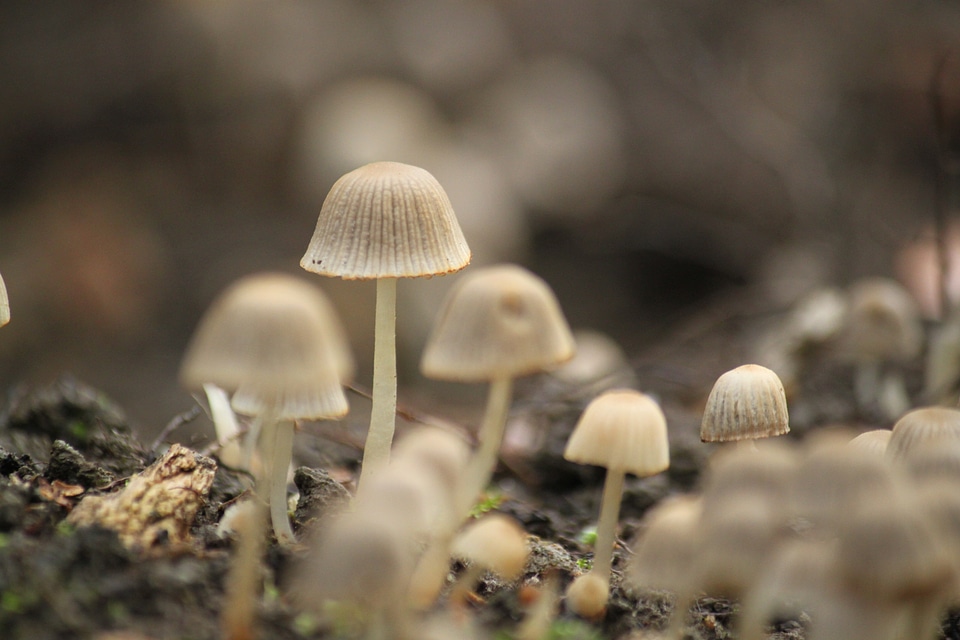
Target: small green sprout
(491,500)
(584,564)
(588,536)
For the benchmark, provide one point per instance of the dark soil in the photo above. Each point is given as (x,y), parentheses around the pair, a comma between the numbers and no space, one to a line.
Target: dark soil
(62,444)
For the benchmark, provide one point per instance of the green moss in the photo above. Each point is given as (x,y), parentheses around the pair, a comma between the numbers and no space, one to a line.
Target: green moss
(491,500)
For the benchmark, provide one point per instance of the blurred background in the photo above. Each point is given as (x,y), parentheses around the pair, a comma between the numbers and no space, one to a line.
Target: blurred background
(646,157)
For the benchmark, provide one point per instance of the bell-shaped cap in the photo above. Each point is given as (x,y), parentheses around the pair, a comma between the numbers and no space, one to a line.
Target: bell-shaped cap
(4,304)
(495,542)
(276,342)
(883,322)
(746,403)
(497,321)
(386,220)
(926,426)
(621,429)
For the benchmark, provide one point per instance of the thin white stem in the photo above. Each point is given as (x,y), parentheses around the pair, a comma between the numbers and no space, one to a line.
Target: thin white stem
(238,617)
(484,462)
(383,411)
(280,458)
(607,525)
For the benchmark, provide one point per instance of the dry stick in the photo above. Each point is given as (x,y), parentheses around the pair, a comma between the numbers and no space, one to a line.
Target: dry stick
(178,421)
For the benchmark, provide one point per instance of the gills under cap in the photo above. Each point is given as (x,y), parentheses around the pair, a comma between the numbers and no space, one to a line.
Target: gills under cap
(497,321)
(621,429)
(386,220)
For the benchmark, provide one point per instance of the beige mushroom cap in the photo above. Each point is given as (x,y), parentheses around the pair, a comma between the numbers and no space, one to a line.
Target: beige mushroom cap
(4,304)
(883,322)
(499,320)
(386,220)
(275,341)
(621,429)
(923,427)
(745,403)
(495,542)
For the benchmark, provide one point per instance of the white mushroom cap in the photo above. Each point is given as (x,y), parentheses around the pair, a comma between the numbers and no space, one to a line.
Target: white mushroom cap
(4,304)
(495,542)
(621,429)
(275,341)
(745,403)
(386,220)
(499,320)
(873,441)
(883,322)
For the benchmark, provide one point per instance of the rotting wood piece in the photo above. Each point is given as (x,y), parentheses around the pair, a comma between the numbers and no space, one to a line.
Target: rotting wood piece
(157,506)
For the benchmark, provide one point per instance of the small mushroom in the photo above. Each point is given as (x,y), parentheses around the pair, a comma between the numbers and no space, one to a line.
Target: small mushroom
(926,426)
(4,304)
(626,432)
(496,324)
(384,221)
(745,403)
(276,343)
(494,543)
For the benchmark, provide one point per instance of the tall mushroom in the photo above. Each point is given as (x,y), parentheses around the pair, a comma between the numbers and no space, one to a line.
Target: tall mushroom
(274,341)
(497,323)
(383,221)
(626,432)
(4,304)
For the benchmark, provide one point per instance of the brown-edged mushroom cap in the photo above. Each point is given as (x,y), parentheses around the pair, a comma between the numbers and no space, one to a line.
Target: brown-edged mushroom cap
(386,220)
(745,403)
(275,341)
(621,429)
(501,320)
(4,304)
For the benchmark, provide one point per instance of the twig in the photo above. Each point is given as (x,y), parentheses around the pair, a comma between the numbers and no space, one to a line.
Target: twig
(177,422)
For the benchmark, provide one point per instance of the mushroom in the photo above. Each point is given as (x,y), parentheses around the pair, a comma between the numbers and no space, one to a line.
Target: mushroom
(276,343)
(874,441)
(493,543)
(923,427)
(626,432)
(497,323)
(883,328)
(384,221)
(4,304)
(745,403)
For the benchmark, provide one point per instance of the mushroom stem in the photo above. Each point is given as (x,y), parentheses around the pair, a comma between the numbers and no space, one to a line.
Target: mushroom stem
(237,620)
(607,525)
(280,456)
(481,467)
(464,585)
(376,451)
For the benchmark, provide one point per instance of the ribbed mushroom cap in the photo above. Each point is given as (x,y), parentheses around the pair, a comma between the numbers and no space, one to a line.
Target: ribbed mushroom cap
(386,220)
(923,427)
(889,552)
(275,341)
(745,403)
(4,304)
(665,554)
(496,321)
(621,429)
(873,441)
(883,322)
(495,542)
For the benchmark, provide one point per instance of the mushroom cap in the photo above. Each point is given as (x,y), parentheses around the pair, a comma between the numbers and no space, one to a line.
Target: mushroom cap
(745,403)
(275,341)
(873,441)
(497,321)
(386,220)
(495,542)
(883,322)
(621,429)
(665,553)
(921,428)
(4,304)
